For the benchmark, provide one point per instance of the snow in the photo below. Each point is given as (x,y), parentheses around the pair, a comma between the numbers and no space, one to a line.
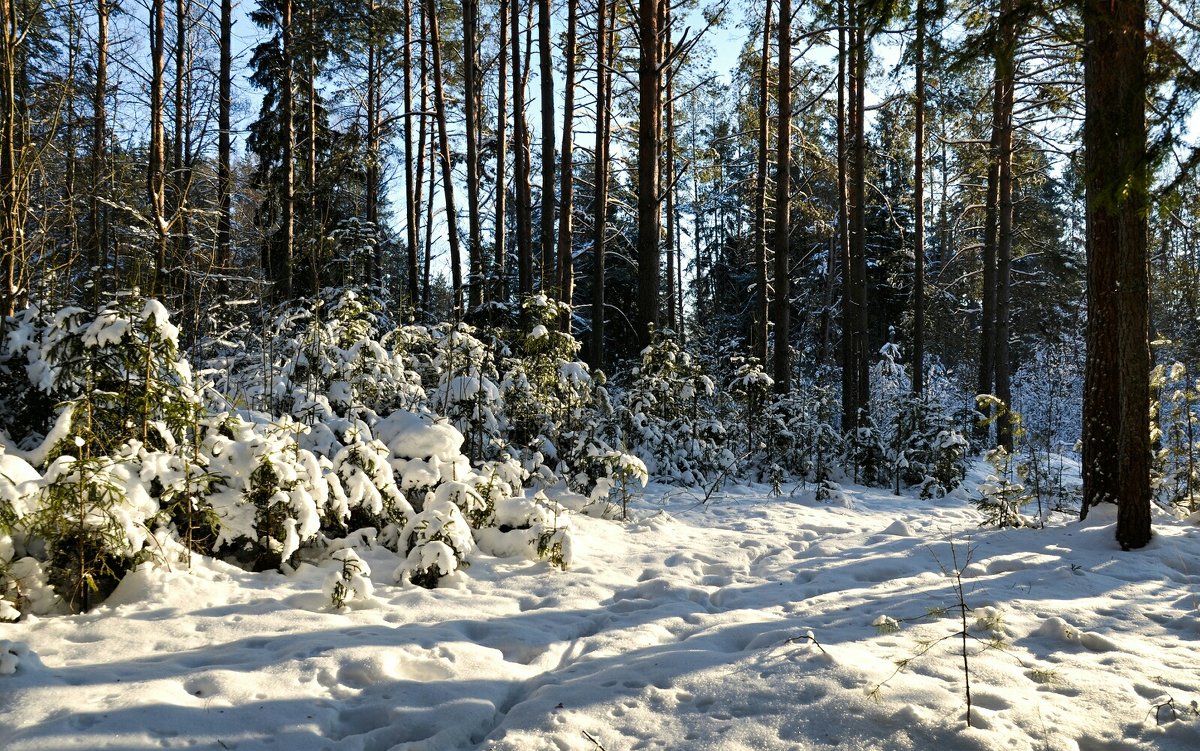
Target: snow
(744,622)
(416,436)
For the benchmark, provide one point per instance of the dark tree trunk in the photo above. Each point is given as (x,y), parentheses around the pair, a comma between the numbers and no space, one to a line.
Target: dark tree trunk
(499,262)
(521,187)
(1116,441)
(224,143)
(1006,80)
(566,264)
(668,171)
(283,276)
(603,54)
(783,168)
(412,197)
(758,337)
(855,401)
(98,241)
(439,103)
(471,110)
(649,217)
(546,80)
(156,178)
(918,353)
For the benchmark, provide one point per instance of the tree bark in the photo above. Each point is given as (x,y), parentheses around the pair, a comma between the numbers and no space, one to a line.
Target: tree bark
(1006,80)
(918,353)
(471,110)
(224,142)
(284,275)
(412,198)
(1116,442)
(156,177)
(499,261)
(758,336)
(546,79)
(783,186)
(856,397)
(603,85)
(668,170)
(521,164)
(439,103)
(566,263)
(987,329)
(649,218)
(849,402)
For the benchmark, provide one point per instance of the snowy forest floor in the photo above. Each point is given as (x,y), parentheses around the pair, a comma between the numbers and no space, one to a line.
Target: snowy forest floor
(749,622)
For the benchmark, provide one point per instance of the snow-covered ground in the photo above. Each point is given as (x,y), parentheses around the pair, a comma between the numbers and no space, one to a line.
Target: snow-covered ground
(749,622)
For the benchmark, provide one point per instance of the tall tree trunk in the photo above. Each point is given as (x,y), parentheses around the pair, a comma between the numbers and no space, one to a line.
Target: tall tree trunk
(178,176)
(783,223)
(918,348)
(13,200)
(668,140)
(412,199)
(156,178)
(546,80)
(1006,64)
(372,127)
(849,404)
(499,261)
(422,128)
(521,163)
(566,263)
(471,110)
(1116,446)
(649,218)
(603,38)
(855,305)
(316,221)
(758,337)
(70,121)
(987,342)
(860,218)
(224,144)
(439,103)
(283,276)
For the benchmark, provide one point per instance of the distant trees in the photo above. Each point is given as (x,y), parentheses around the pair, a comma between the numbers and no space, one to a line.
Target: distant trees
(813,212)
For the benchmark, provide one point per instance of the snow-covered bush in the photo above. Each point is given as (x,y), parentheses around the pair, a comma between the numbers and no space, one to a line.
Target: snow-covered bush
(92,523)
(351,582)
(119,373)
(550,396)
(371,496)
(270,493)
(751,388)
(1003,494)
(462,381)
(439,540)
(801,441)
(666,420)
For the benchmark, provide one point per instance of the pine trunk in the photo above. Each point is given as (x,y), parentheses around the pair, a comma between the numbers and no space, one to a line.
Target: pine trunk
(758,337)
(1116,430)
(471,110)
(783,169)
(439,103)
(499,261)
(546,79)
(918,353)
(224,142)
(603,37)
(649,219)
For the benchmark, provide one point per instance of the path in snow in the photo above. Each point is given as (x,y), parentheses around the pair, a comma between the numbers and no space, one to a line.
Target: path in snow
(686,629)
